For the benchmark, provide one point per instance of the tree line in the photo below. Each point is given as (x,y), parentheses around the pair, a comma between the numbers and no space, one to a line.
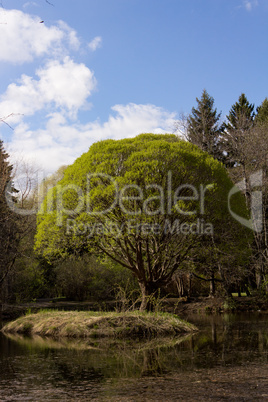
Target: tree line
(38,259)
(241,144)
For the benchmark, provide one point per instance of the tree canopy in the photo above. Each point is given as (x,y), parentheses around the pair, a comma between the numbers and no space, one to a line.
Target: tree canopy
(145,202)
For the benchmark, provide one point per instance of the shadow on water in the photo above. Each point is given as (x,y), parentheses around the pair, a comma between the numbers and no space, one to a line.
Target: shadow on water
(68,368)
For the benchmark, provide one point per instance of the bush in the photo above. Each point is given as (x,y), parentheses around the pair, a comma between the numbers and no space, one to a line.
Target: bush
(86,277)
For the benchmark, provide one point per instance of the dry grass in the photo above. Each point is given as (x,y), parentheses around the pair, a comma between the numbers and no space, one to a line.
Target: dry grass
(98,324)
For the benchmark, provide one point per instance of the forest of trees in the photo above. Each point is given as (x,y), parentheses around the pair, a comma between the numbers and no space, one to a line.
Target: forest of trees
(241,144)
(38,260)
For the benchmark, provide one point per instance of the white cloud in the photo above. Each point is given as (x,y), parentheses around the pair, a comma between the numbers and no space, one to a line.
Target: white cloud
(61,142)
(95,43)
(30,4)
(70,34)
(65,85)
(250,4)
(59,89)
(23,38)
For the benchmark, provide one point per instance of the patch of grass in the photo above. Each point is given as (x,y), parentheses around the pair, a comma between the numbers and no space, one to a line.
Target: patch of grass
(230,304)
(99,324)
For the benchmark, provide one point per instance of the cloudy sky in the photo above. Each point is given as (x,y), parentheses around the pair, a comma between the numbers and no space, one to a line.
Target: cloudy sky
(75,72)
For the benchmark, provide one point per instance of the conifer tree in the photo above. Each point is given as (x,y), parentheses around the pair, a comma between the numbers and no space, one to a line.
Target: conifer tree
(245,142)
(262,113)
(241,115)
(239,122)
(204,127)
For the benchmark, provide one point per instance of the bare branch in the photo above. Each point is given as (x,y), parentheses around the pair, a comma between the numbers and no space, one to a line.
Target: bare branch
(3,119)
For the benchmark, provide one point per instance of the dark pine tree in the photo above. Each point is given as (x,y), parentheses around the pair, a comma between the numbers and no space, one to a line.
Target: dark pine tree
(203,126)
(262,113)
(241,115)
(240,120)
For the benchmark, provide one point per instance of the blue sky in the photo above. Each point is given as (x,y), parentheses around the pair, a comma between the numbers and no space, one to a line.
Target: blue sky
(98,69)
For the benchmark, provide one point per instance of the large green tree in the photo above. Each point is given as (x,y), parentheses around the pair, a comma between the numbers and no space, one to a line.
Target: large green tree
(145,202)
(204,126)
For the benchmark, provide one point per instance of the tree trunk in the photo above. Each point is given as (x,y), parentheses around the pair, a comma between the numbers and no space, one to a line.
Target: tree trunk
(147,292)
(189,291)
(179,284)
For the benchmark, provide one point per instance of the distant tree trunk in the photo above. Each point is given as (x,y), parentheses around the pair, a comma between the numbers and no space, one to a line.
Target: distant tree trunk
(189,290)
(212,285)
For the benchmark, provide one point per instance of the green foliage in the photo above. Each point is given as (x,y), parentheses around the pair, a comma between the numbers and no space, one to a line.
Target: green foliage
(239,122)
(9,227)
(153,179)
(241,114)
(31,279)
(262,113)
(87,278)
(229,304)
(203,125)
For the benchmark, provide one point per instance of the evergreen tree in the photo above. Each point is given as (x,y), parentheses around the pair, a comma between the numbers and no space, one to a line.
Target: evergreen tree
(245,142)
(262,113)
(239,122)
(241,115)
(204,127)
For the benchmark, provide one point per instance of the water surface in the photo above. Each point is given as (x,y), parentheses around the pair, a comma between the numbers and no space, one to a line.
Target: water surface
(228,354)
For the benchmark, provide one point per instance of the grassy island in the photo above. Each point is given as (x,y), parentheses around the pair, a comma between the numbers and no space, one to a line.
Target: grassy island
(99,324)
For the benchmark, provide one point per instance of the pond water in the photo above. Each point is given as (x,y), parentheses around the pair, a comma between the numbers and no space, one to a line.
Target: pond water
(226,360)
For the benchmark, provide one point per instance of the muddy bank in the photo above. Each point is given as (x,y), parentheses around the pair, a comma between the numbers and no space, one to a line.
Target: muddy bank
(180,306)
(207,305)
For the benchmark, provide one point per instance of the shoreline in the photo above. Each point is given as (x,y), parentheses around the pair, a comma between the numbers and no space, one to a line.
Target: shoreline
(180,306)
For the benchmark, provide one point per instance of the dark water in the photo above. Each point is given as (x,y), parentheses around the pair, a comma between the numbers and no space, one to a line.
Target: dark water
(45,370)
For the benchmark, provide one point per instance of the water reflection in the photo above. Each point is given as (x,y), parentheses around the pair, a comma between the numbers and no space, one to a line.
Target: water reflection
(230,339)
(80,368)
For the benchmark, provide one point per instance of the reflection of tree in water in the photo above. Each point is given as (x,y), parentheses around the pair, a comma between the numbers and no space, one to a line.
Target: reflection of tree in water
(74,371)
(226,340)
(153,364)
(73,375)
(222,341)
